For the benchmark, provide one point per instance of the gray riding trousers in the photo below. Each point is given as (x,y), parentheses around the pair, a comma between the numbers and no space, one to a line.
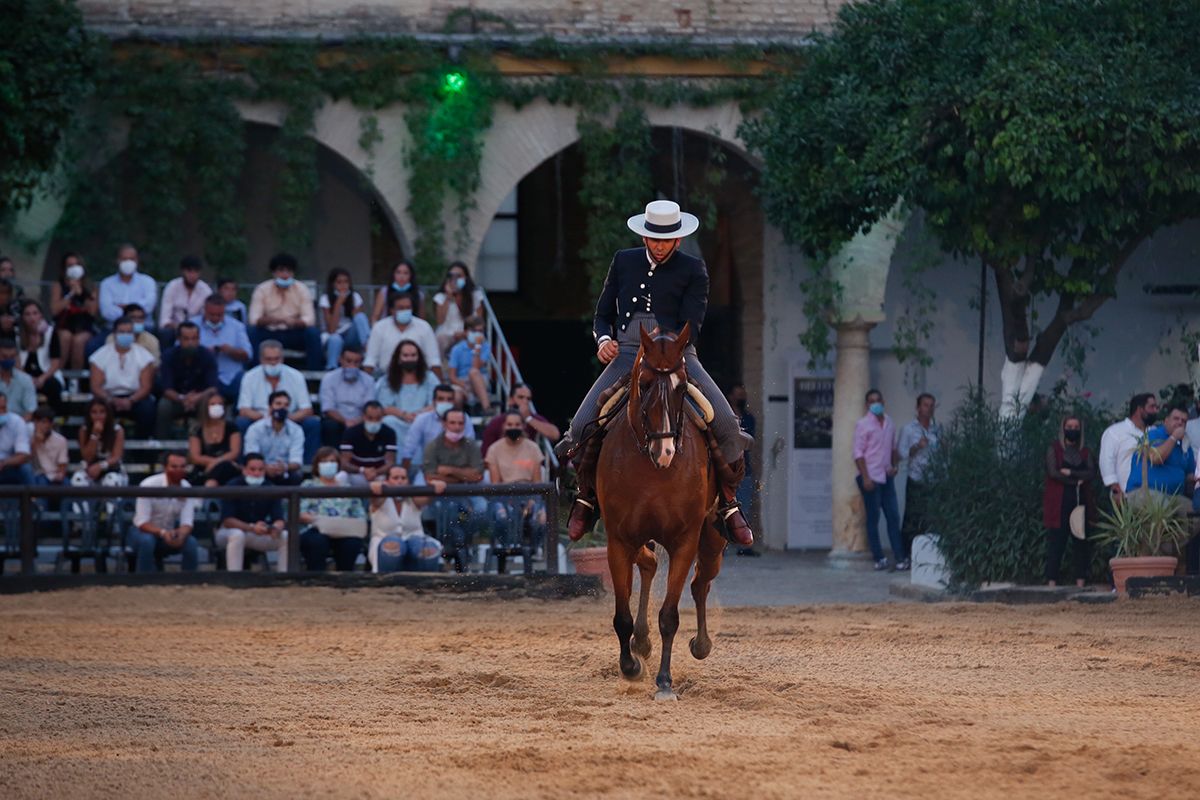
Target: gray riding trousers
(732,439)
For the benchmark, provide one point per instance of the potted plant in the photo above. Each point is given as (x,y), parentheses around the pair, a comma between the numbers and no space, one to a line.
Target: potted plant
(1142,527)
(589,556)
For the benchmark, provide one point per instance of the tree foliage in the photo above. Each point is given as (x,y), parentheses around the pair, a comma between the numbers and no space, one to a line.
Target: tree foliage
(1048,139)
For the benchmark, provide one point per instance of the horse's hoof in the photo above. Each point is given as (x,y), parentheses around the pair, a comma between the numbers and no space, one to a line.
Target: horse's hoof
(665,694)
(699,653)
(634,672)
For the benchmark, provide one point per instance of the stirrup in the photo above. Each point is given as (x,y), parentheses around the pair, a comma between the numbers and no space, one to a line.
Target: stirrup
(723,514)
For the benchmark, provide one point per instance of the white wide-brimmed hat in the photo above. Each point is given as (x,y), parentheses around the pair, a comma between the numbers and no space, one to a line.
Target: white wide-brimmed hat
(663,220)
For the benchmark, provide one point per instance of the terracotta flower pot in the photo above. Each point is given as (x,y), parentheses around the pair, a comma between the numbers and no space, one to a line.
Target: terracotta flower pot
(592,561)
(1140,567)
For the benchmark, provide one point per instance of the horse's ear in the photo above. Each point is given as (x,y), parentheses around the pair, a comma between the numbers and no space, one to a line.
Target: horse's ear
(685,336)
(647,342)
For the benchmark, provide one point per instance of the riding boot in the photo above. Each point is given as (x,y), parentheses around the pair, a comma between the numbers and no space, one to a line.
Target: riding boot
(583,510)
(730,520)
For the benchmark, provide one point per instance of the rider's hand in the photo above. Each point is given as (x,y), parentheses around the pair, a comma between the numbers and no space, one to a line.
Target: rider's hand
(607,351)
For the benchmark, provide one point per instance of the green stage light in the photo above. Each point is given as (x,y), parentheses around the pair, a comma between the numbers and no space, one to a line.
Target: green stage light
(454,82)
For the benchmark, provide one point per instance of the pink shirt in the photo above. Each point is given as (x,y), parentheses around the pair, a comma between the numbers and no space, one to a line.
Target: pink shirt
(874,442)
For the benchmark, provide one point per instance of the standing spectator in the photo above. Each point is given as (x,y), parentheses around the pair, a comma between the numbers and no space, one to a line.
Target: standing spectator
(918,441)
(387,334)
(272,376)
(739,402)
(254,522)
(22,397)
(226,339)
(188,376)
(126,287)
(227,289)
(407,388)
(123,375)
(343,394)
(876,457)
(455,459)
(38,353)
(214,444)
(74,305)
(404,281)
(162,526)
(1120,440)
(1193,426)
(101,444)
(1070,471)
(369,448)
(398,540)
(280,440)
(429,426)
(458,300)
(516,459)
(337,524)
(48,448)
(343,316)
(182,299)
(15,453)
(1171,465)
(141,335)
(281,309)
(471,365)
(535,424)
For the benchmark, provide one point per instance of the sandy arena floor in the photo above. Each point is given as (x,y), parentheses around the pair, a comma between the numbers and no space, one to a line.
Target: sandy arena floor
(305,692)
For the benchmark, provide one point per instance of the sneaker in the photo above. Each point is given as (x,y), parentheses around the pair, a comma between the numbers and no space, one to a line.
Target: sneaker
(903,566)
(881,565)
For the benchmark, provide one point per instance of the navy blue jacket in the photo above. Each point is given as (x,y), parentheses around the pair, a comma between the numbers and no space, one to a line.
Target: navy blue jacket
(185,376)
(675,292)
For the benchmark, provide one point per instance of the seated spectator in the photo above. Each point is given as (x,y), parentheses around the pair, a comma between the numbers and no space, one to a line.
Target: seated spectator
(227,289)
(471,366)
(8,272)
(101,445)
(182,299)
(162,526)
(188,376)
(404,281)
(254,522)
(369,448)
(516,459)
(48,448)
(407,388)
(398,540)
(141,335)
(428,426)
(343,317)
(387,334)
(38,353)
(125,288)
(22,398)
(9,310)
(337,525)
(343,394)
(281,309)
(535,423)
(214,443)
(458,300)
(269,377)
(1170,466)
(455,459)
(15,453)
(279,439)
(75,306)
(227,340)
(123,375)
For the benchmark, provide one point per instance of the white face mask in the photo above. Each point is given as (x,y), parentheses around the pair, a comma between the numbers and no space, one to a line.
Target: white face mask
(216,412)
(74,272)
(127,267)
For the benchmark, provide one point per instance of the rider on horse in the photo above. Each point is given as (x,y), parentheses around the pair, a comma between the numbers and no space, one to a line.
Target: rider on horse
(655,287)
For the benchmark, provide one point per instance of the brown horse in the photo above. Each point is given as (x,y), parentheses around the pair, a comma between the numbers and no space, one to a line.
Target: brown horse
(655,482)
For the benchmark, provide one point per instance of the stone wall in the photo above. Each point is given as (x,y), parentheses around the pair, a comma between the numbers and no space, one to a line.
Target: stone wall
(740,18)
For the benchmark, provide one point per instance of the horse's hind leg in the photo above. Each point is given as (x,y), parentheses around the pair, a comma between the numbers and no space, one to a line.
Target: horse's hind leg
(668,616)
(620,563)
(647,565)
(708,564)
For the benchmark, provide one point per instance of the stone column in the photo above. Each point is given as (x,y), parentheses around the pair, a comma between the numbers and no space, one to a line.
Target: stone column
(852,376)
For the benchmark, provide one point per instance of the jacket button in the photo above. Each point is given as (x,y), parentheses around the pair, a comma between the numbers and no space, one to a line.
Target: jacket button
(643,286)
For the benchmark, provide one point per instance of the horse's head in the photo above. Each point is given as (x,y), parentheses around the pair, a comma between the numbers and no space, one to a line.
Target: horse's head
(658,385)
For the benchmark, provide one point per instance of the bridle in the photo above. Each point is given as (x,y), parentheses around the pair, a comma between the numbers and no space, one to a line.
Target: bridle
(663,388)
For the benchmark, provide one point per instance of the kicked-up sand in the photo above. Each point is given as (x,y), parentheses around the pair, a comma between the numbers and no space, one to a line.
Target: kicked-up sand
(173,692)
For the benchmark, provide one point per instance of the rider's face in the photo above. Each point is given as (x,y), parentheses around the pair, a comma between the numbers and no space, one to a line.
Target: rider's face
(660,249)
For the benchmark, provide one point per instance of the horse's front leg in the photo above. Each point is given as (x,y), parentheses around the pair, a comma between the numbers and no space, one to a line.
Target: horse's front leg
(647,566)
(668,616)
(620,563)
(708,564)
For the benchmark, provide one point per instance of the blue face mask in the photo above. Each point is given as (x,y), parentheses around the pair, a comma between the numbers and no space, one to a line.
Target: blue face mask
(214,326)
(474,337)
(876,409)
(372,427)
(404,316)
(460,284)
(139,327)
(350,374)
(254,480)
(273,370)
(284,283)
(124,340)
(327,469)
(441,408)
(400,288)
(3,419)
(7,364)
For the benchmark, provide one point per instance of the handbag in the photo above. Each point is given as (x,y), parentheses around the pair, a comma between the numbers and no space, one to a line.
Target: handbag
(1078,518)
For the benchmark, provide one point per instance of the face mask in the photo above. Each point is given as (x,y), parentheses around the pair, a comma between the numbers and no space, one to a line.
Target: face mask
(350,374)
(876,409)
(74,272)
(124,340)
(327,469)
(460,283)
(1149,419)
(441,408)
(404,317)
(139,327)
(474,337)
(187,352)
(284,283)
(214,326)
(7,364)
(1071,436)
(513,434)
(280,414)
(408,366)
(3,419)
(273,370)
(455,437)
(372,427)
(254,480)
(127,267)
(216,412)
(400,288)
